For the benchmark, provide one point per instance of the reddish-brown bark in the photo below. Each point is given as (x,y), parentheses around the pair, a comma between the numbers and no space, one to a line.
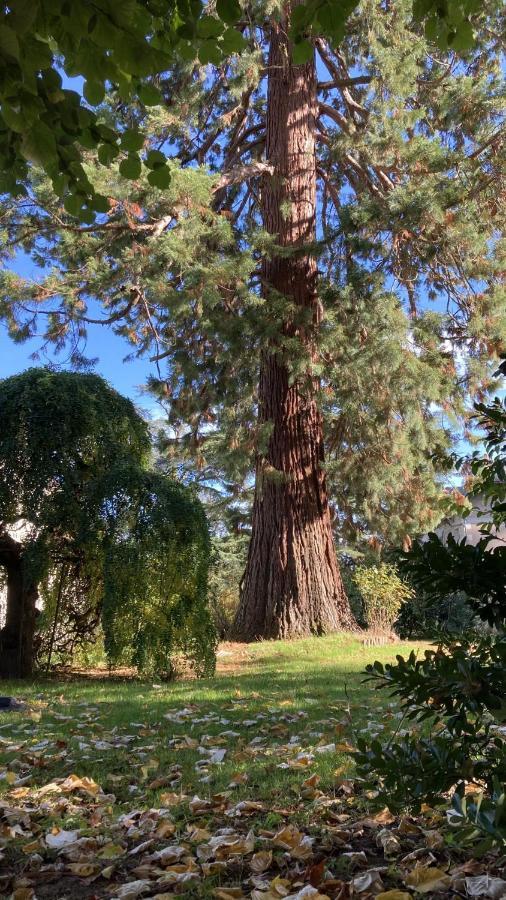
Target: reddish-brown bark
(291,586)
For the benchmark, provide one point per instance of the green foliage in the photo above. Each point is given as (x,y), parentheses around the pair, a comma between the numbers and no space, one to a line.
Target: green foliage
(423,616)
(155,583)
(440,568)
(229,553)
(47,124)
(107,538)
(402,244)
(457,691)
(383,594)
(447,22)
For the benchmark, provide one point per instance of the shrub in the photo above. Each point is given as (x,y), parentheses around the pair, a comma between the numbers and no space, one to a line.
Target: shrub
(422,616)
(383,593)
(455,696)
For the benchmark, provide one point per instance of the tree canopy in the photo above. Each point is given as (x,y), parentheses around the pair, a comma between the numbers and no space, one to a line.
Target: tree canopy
(45,121)
(312,257)
(409,162)
(77,502)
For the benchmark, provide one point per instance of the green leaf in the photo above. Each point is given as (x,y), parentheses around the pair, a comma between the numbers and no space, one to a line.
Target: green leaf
(59,185)
(73,204)
(187,51)
(463,38)
(12,118)
(160,178)
(39,146)
(132,140)
(130,167)
(332,19)
(99,203)
(9,45)
(210,53)
(87,139)
(93,92)
(209,27)
(106,153)
(232,42)
(86,215)
(229,11)
(155,159)
(302,52)
(150,95)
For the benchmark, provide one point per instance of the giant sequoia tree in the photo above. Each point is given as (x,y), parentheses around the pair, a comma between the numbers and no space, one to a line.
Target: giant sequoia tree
(319,264)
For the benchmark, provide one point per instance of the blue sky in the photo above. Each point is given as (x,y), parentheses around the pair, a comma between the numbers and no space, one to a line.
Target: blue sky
(126,377)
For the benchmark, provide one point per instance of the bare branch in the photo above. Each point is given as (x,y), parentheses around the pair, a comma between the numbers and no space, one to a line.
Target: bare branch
(243,173)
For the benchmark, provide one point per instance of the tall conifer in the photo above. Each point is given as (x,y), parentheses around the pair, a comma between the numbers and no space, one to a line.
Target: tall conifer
(318,266)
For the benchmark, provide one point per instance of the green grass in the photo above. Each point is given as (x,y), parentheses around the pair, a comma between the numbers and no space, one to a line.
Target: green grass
(278,699)
(319,677)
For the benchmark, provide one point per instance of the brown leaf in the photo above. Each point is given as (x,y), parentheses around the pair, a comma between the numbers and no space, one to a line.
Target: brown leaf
(261,861)
(424,880)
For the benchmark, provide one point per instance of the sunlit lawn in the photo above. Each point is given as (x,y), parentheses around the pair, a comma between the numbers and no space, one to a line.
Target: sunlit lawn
(276,708)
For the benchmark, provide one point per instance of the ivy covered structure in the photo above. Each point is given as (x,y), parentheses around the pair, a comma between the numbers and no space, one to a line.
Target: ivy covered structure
(103,538)
(316,274)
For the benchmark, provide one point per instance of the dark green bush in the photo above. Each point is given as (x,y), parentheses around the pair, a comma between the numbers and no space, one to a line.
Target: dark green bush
(454,699)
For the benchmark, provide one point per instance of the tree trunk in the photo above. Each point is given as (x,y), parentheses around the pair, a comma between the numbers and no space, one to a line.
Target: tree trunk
(17,635)
(291,586)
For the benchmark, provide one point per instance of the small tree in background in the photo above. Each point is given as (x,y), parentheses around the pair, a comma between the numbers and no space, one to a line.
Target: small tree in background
(73,472)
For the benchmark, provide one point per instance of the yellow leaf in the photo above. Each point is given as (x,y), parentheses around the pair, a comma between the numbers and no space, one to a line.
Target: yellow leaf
(108,872)
(32,847)
(299,845)
(393,895)
(165,829)
(23,893)
(84,870)
(234,893)
(423,879)
(11,777)
(170,799)
(110,851)
(75,783)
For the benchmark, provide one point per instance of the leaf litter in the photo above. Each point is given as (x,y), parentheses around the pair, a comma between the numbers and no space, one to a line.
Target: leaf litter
(233,804)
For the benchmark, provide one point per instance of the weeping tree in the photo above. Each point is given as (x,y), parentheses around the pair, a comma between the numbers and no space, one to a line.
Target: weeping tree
(316,273)
(75,494)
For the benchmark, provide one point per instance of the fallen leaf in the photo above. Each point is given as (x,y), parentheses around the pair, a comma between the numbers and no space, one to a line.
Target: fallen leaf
(299,845)
(58,839)
(260,861)
(388,842)
(133,889)
(393,895)
(486,886)
(370,880)
(424,879)
(84,870)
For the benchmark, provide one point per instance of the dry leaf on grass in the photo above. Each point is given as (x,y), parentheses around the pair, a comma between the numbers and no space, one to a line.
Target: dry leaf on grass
(58,839)
(425,880)
(486,886)
(260,861)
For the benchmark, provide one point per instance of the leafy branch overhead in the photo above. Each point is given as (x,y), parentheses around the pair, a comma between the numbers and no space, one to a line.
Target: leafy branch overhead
(49,120)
